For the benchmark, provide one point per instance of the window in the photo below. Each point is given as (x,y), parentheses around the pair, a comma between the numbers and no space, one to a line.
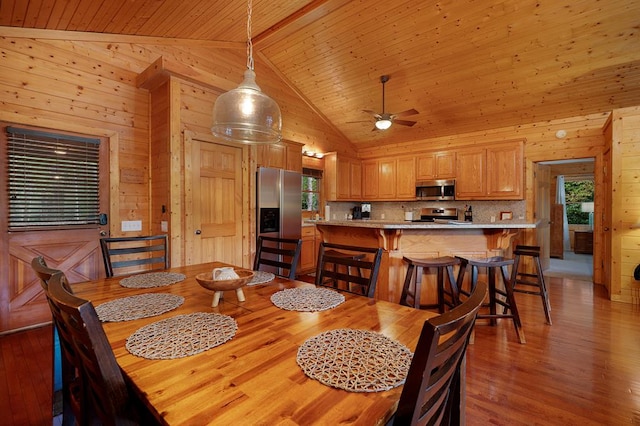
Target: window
(53,179)
(579,200)
(311,189)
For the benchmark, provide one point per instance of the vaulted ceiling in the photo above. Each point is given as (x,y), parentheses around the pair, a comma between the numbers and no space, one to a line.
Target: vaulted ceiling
(464,65)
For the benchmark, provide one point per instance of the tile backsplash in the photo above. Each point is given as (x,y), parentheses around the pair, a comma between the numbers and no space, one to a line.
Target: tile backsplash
(483,211)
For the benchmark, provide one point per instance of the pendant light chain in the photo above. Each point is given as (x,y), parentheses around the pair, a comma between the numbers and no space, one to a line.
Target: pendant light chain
(249,43)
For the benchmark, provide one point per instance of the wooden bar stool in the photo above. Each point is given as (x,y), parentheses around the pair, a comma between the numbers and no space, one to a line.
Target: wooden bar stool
(530,280)
(497,296)
(448,295)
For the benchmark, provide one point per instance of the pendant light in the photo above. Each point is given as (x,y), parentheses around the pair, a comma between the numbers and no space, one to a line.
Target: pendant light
(245,114)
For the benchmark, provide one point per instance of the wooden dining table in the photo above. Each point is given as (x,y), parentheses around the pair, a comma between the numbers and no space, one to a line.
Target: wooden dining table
(253,378)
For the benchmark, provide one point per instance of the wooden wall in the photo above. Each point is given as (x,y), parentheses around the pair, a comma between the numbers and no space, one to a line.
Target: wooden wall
(71,82)
(625,211)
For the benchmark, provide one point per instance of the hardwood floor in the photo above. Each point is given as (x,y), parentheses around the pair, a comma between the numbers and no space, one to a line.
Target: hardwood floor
(582,370)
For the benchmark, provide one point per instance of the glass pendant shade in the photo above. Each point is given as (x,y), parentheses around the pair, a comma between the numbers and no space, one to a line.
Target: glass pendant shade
(247,115)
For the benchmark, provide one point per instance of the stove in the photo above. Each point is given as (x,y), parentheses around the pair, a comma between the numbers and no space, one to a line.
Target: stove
(437,214)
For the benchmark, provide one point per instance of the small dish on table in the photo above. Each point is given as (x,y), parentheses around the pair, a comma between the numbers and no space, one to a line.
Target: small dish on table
(206,280)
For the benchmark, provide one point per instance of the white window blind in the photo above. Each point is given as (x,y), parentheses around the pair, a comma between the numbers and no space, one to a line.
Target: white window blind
(53,179)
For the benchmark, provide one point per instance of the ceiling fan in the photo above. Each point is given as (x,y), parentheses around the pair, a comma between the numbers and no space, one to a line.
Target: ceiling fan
(385,119)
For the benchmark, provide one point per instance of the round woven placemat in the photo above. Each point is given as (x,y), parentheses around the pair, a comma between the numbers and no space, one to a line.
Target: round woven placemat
(182,335)
(261,277)
(355,360)
(152,279)
(307,299)
(136,307)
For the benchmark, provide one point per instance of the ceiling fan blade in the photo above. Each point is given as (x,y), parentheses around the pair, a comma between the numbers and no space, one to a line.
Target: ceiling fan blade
(405,113)
(404,122)
(368,111)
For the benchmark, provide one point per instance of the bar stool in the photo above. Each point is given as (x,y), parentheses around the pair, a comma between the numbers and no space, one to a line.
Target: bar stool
(497,296)
(530,280)
(448,295)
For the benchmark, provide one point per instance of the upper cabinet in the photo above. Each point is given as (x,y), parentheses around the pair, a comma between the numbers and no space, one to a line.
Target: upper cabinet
(491,173)
(389,179)
(284,155)
(436,165)
(343,178)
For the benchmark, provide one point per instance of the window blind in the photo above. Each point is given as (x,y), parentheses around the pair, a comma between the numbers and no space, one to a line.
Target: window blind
(53,179)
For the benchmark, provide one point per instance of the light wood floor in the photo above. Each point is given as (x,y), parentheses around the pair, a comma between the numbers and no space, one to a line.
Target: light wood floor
(582,370)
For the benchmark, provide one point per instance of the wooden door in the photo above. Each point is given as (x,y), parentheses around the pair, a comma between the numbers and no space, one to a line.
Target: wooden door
(75,252)
(215,190)
(557,231)
(542,201)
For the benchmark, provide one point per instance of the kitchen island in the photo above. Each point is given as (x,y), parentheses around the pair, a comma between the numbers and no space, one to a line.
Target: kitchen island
(422,240)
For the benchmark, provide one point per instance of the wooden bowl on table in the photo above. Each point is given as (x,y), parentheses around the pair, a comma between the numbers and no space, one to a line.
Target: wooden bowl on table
(206,280)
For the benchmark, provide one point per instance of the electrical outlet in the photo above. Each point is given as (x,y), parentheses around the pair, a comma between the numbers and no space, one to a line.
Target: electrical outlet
(131,225)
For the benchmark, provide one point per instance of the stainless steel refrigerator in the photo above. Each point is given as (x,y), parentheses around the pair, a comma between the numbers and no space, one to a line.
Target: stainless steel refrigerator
(279,203)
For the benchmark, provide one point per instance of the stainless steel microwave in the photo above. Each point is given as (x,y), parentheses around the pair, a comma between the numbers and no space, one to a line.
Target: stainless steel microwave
(436,190)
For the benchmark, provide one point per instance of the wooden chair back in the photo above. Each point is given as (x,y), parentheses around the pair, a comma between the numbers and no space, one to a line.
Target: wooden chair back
(434,389)
(104,387)
(126,255)
(348,268)
(278,253)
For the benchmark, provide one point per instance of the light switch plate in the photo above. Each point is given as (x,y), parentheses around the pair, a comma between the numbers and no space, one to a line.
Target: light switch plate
(131,225)
(164,226)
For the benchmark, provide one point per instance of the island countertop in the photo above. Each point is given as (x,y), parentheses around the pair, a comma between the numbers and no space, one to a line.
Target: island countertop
(387,224)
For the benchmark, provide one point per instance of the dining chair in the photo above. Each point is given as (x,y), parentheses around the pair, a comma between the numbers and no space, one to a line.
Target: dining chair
(279,254)
(123,254)
(356,267)
(106,395)
(434,389)
(71,390)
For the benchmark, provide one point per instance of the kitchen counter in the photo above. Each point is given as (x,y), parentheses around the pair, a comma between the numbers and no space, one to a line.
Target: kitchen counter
(386,224)
(401,239)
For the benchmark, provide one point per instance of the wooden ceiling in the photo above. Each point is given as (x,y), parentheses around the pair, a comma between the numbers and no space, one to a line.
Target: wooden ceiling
(465,65)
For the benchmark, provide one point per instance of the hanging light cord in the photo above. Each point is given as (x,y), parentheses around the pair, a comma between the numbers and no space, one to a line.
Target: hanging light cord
(249,43)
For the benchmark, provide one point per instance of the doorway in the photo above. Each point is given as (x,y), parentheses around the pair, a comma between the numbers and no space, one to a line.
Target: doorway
(570,262)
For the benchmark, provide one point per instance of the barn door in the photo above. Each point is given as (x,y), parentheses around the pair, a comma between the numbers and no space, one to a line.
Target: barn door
(72,248)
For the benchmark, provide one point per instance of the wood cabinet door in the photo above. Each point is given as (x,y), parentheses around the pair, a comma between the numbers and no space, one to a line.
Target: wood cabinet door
(470,174)
(406,179)
(387,179)
(355,180)
(343,173)
(437,165)
(308,252)
(370,178)
(505,171)
(273,155)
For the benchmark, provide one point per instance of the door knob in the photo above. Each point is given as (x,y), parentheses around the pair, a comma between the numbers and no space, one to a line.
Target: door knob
(198,232)
(103,233)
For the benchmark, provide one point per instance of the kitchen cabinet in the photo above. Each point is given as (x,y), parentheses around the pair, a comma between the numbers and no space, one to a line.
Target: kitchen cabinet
(284,155)
(436,165)
(309,251)
(342,177)
(389,179)
(490,173)
(370,178)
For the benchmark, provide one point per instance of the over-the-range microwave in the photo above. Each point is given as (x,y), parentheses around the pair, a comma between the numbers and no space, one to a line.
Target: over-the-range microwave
(436,190)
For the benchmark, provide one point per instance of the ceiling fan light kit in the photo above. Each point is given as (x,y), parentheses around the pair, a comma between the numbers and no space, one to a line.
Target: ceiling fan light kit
(245,114)
(385,120)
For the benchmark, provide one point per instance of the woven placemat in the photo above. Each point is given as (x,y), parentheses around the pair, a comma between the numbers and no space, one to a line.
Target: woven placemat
(261,277)
(307,299)
(182,335)
(355,360)
(140,306)
(152,279)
